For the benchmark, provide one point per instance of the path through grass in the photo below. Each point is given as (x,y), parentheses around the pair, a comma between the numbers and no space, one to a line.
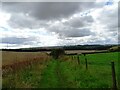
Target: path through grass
(53,76)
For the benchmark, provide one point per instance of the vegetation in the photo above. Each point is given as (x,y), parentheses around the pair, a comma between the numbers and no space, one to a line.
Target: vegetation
(88,47)
(56,53)
(28,77)
(72,47)
(15,57)
(66,73)
(69,74)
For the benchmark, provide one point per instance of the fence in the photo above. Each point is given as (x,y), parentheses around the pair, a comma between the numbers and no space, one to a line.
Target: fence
(114,81)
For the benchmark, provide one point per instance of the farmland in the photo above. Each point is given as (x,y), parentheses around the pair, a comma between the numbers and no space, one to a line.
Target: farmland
(46,72)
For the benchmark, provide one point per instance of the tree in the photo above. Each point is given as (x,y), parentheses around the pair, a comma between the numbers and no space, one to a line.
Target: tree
(56,53)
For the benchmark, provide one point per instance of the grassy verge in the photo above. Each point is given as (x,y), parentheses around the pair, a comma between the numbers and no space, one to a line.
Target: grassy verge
(49,76)
(27,77)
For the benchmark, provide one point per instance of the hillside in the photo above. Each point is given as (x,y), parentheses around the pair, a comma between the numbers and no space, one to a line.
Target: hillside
(72,47)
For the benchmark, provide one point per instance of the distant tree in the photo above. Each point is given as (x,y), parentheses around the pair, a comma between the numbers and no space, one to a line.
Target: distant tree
(56,53)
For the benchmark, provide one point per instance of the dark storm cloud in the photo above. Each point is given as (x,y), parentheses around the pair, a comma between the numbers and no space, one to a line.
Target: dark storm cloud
(16,40)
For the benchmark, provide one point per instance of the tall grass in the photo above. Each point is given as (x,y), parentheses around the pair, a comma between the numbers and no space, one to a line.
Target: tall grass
(23,73)
(27,77)
(9,57)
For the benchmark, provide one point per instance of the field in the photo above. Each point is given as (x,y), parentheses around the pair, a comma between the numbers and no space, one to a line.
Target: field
(66,72)
(13,57)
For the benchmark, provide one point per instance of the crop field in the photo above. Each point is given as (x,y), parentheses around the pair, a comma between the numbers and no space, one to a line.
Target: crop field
(83,51)
(42,71)
(13,57)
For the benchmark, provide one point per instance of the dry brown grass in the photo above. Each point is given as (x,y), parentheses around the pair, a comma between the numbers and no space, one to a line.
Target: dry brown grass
(14,57)
(13,61)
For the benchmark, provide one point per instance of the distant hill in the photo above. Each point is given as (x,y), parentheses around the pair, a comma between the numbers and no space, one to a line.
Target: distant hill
(88,47)
(72,47)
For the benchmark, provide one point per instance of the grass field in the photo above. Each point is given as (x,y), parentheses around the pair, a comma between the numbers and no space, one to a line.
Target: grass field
(66,73)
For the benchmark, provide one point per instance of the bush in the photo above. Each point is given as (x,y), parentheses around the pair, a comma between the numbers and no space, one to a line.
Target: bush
(57,53)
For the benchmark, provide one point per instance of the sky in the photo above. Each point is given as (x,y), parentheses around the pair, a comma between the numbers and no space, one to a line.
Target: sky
(41,24)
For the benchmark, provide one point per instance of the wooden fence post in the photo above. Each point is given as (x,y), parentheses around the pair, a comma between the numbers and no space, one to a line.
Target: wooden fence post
(113,76)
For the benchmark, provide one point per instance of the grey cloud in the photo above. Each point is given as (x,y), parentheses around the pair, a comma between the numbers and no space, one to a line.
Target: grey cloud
(78,22)
(23,21)
(64,31)
(75,27)
(49,10)
(43,10)
(20,21)
(78,33)
(16,40)
(39,13)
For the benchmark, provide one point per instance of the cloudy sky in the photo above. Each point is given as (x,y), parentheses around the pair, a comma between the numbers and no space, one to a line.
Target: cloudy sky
(36,24)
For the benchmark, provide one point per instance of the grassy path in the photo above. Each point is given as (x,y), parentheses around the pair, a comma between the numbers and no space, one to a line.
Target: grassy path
(49,76)
(52,76)
(61,77)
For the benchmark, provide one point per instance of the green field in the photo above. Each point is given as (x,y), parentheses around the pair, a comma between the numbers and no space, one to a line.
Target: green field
(66,73)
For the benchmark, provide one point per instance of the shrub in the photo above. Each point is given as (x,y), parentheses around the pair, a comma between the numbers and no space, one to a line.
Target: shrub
(56,53)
